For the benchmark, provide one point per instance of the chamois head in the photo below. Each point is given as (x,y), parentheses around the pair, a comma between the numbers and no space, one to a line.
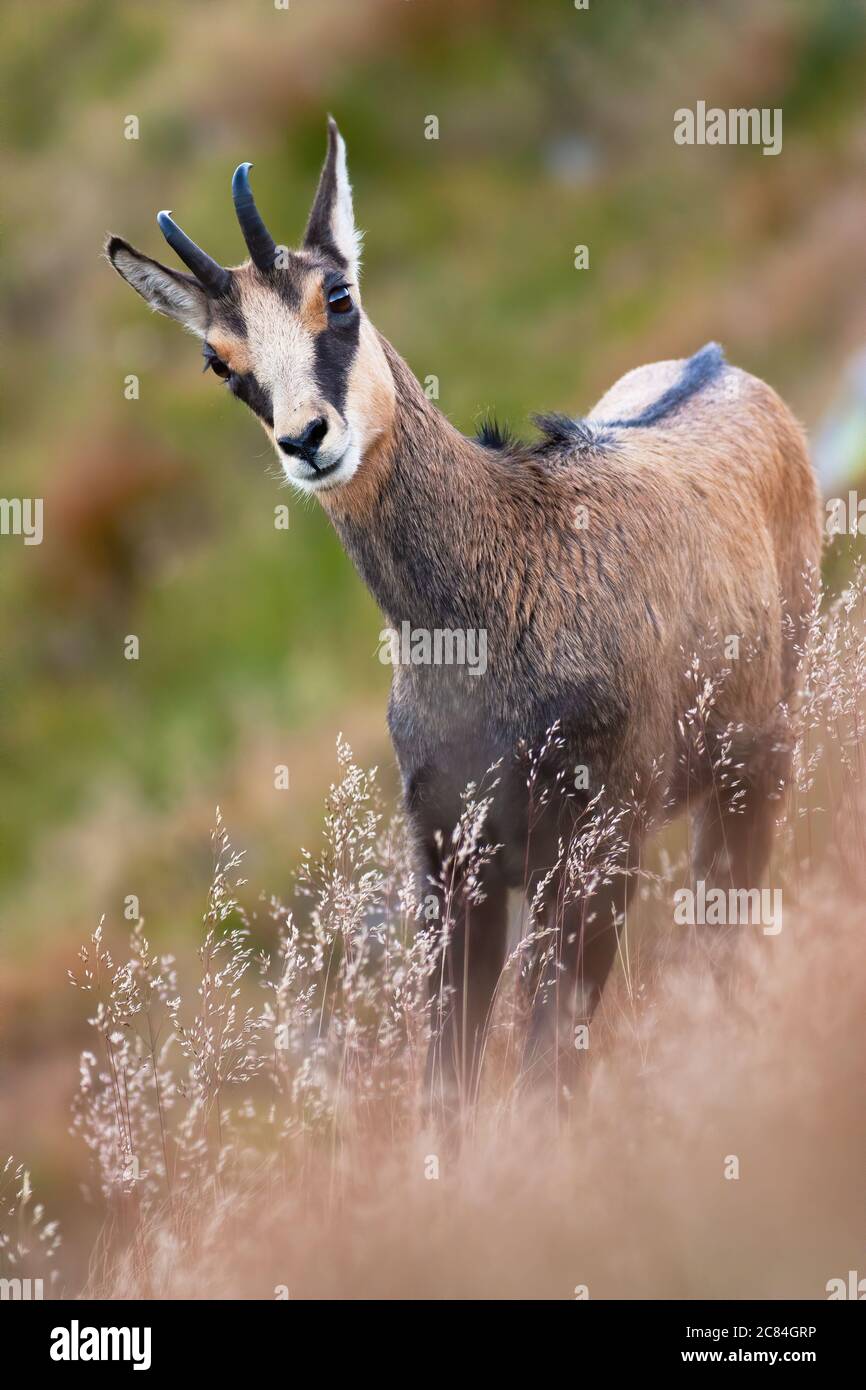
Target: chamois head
(285,331)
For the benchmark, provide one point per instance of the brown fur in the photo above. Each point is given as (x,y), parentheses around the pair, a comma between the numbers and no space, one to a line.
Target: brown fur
(312,312)
(702,527)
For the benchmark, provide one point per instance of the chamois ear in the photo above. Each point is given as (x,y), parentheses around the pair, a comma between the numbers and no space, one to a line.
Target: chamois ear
(331,227)
(170,292)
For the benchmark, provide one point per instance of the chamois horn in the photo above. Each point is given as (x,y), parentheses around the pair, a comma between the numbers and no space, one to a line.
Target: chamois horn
(209,274)
(260,243)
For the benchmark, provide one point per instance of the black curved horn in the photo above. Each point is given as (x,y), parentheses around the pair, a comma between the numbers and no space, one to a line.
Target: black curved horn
(260,243)
(211,275)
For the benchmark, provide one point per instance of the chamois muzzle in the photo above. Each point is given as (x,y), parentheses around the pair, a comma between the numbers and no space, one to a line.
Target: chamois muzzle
(306,444)
(212,276)
(260,243)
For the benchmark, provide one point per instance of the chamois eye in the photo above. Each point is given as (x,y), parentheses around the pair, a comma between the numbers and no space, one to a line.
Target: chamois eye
(339,300)
(216,364)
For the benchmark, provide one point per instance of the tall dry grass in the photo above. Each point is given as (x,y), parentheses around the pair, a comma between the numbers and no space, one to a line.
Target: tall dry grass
(265,1132)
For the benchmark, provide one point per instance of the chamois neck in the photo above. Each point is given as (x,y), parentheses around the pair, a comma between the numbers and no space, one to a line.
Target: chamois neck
(425,527)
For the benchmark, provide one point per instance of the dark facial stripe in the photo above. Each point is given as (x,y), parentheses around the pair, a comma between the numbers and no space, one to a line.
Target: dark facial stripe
(288,281)
(226,312)
(248,389)
(335,349)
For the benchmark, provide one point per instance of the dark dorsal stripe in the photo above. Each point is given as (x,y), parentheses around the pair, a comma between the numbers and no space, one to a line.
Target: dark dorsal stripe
(698,371)
(561,431)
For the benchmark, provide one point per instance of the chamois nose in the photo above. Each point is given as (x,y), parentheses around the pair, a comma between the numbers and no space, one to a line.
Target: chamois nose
(306,444)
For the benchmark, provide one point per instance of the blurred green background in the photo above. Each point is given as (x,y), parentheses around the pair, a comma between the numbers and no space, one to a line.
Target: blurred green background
(258,645)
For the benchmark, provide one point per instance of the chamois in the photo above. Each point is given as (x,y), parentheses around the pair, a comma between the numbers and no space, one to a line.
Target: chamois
(598,560)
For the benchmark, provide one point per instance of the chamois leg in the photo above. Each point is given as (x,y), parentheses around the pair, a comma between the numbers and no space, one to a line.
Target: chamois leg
(732,841)
(733,834)
(462,988)
(585,945)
